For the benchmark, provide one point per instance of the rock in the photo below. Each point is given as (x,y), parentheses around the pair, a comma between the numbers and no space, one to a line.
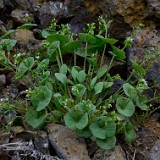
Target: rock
(41,142)
(4,138)
(2,4)
(22,16)
(53,10)
(115,154)
(144,42)
(154,153)
(2,80)
(66,144)
(147,144)
(26,41)
(23,36)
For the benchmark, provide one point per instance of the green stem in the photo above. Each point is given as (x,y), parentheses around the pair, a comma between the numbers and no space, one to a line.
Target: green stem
(60,54)
(58,61)
(125,82)
(85,59)
(74,58)
(102,58)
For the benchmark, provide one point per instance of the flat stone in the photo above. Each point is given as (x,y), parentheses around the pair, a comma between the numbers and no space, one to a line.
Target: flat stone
(115,154)
(22,16)
(155,151)
(65,142)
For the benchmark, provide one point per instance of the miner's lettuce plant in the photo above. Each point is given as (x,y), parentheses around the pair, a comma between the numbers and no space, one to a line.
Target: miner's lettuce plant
(81,94)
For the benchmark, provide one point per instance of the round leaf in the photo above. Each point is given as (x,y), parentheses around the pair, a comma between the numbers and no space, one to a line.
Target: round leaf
(41,97)
(108,143)
(35,118)
(76,120)
(108,130)
(125,106)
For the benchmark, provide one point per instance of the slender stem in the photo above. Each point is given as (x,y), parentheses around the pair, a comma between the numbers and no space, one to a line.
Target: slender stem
(58,61)
(111,62)
(74,58)
(85,59)
(102,58)
(60,54)
(125,82)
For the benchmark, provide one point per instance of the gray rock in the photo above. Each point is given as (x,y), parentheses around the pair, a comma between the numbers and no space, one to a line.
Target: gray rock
(65,142)
(2,80)
(115,154)
(22,16)
(53,10)
(155,151)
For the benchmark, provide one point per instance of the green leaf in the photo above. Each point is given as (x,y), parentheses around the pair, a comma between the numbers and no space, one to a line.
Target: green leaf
(34,118)
(128,89)
(58,37)
(87,38)
(94,49)
(130,133)
(78,90)
(119,54)
(98,87)
(103,132)
(63,69)
(107,84)
(101,72)
(45,33)
(81,76)
(8,44)
(141,102)
(71,46)
(108,143)
(41,97)
(93,82)
(52,50)
(138,68)
(92,62)
(85,132)
(24,68)
(107,40)
(43,64)
(87,106)
(61,77)
(125,106)
(76,120)
(74,73)
(8,33)
(27,26)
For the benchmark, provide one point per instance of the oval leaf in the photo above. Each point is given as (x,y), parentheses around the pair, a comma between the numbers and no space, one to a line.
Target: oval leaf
(61,77)
(107,40)
(101,72)
(71,46)
(87,38)
(98,87)
(119,54)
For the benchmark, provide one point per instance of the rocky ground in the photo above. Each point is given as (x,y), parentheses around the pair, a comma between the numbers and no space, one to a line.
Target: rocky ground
(21,142)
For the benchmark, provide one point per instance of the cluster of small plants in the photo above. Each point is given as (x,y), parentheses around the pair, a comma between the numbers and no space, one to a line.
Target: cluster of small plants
(79,93)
